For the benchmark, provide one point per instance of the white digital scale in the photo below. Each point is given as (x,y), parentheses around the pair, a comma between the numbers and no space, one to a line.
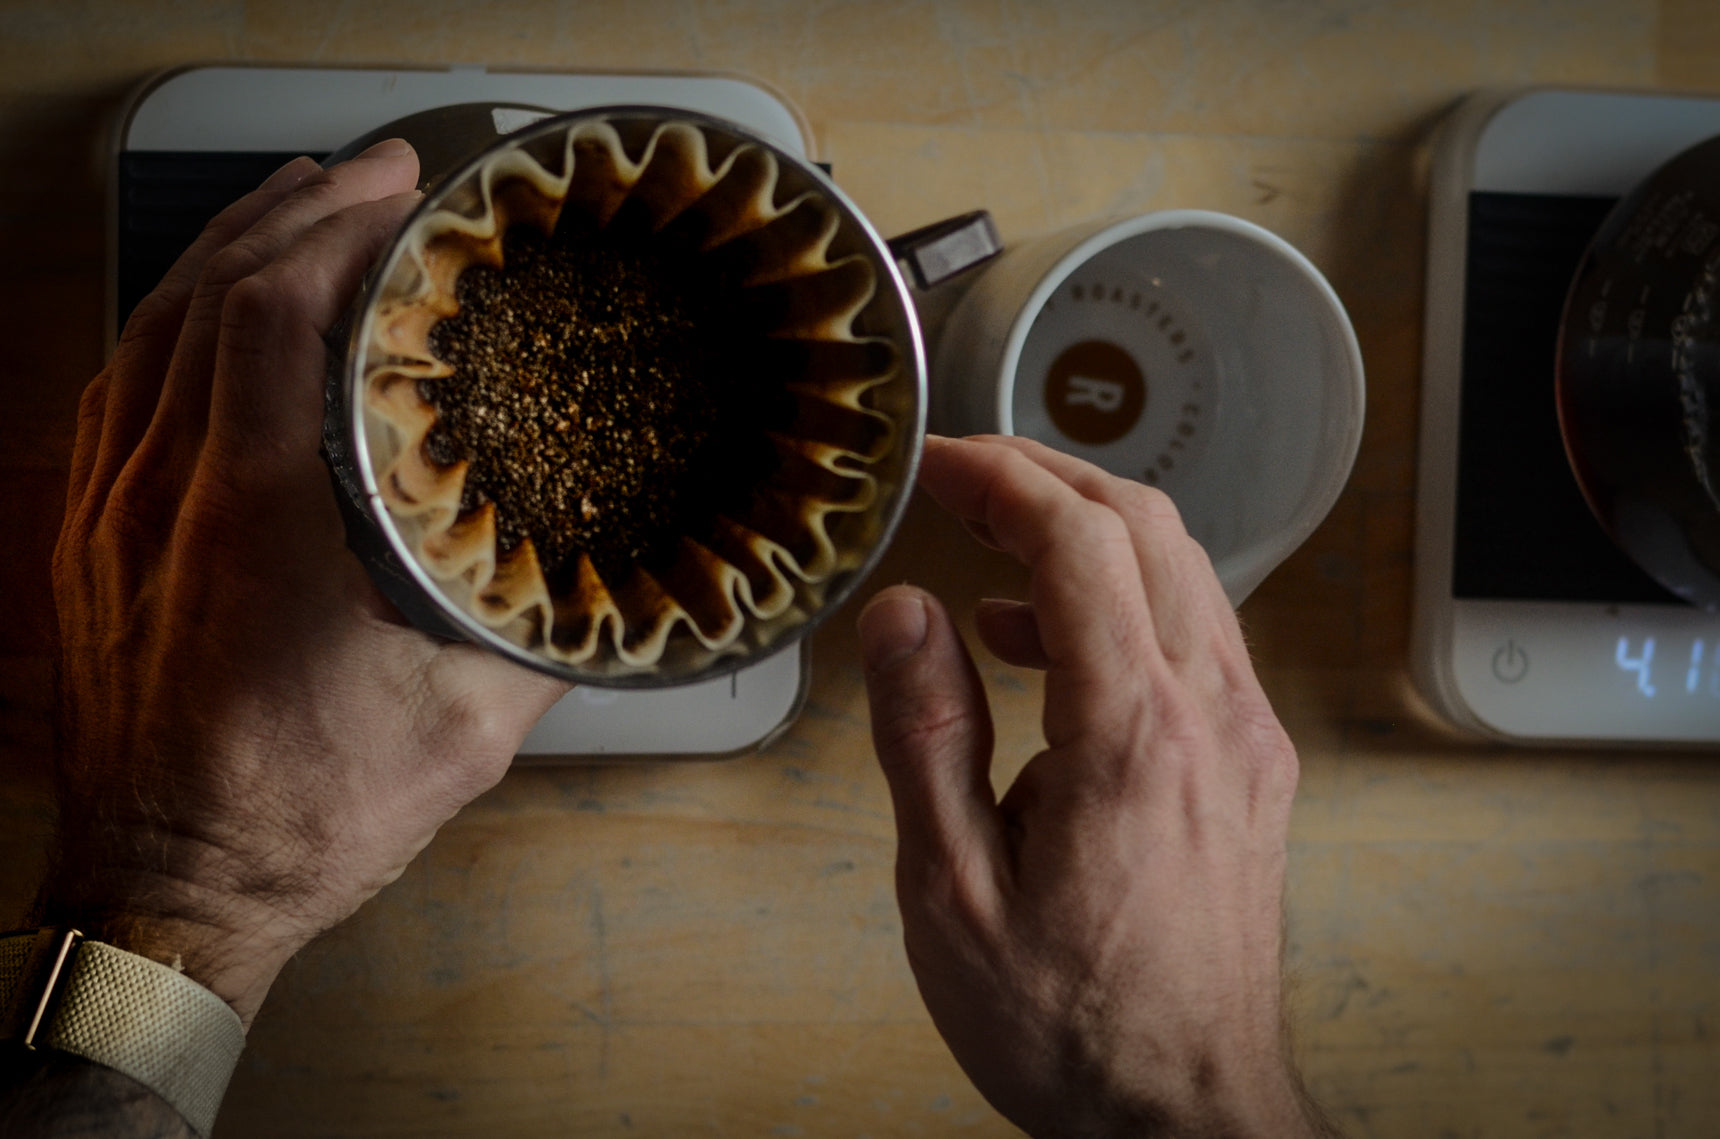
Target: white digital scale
(1530,625)
(192,141)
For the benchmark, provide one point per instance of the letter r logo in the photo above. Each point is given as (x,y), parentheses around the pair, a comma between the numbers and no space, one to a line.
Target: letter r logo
(1101,395)
(1094,392)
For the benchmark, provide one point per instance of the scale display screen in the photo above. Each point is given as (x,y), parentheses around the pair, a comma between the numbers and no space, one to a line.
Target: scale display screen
(1676,673)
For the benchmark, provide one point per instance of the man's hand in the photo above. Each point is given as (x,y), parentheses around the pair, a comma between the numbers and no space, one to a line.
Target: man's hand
(253,744)
(1101,949)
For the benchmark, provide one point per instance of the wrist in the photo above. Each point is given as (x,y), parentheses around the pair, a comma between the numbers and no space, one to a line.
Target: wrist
(1272,1105)
(1241,1091)
(68,994)
(1280,1110)
(230,945)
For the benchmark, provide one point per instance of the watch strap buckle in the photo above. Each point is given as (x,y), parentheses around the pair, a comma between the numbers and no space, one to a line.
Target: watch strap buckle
(31,995)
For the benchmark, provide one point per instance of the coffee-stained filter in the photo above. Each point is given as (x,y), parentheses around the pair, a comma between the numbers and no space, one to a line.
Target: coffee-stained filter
(780,477)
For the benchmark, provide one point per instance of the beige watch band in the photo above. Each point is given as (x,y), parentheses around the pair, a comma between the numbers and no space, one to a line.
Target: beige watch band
(136,1016)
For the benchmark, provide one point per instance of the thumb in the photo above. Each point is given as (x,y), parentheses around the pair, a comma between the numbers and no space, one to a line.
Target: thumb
(931,729)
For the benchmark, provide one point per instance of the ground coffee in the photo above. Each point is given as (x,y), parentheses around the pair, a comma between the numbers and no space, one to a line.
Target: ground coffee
(603,397)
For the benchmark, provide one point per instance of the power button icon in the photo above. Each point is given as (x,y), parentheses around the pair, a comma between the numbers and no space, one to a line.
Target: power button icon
(1510,663)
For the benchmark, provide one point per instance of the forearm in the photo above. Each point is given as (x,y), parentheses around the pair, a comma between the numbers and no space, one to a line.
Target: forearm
(49,1095)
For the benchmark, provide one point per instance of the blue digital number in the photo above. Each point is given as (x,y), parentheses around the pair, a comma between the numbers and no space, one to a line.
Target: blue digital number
(1638,664)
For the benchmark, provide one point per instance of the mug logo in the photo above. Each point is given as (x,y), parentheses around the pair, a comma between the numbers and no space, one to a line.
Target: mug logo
(1095,392)
(1106,395)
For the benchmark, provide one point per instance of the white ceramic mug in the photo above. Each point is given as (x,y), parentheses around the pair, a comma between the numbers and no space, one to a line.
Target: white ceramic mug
(1190,350)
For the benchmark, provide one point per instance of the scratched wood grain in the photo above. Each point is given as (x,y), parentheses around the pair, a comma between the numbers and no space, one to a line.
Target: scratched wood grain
(1484,942)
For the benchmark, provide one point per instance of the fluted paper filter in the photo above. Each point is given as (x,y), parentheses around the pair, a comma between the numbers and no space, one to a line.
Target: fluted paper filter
(620,401)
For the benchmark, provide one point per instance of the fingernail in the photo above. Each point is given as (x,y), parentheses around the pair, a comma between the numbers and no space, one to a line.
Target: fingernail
(892,628)
(387,148)
(291,174)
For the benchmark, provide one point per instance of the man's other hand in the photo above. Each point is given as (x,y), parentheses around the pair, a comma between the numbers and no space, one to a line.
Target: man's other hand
(1100,948)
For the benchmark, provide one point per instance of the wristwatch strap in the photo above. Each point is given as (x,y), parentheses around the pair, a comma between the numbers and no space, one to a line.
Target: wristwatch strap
(136,1016)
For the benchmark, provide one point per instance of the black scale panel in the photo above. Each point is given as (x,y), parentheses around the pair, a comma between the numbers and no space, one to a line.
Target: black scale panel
(165,200)
(1524,532)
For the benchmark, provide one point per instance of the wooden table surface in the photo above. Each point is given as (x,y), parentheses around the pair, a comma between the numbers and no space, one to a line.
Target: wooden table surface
(1485,942)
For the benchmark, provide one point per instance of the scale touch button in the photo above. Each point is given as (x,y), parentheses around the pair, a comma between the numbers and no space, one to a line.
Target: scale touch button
(1510,663)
